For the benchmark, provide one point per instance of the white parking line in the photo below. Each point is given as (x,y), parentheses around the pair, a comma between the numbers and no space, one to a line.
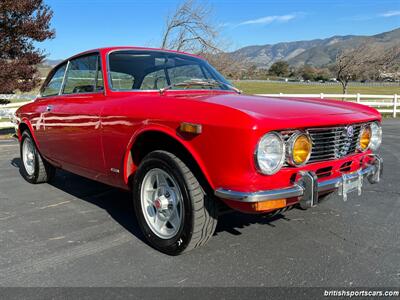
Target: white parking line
(54,205)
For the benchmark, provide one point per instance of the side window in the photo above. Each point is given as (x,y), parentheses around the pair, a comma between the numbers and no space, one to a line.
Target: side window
(82,75)
(54,85)
(121,81)
(186,72)
(154,81)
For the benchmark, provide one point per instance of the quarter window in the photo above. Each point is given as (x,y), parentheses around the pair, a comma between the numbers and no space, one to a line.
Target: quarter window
(83,75)
(54,85)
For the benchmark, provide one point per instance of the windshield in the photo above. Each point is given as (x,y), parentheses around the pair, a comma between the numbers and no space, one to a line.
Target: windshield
(155,70)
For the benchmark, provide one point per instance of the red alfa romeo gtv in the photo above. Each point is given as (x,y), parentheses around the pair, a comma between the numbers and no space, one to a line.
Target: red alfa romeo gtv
(169,127)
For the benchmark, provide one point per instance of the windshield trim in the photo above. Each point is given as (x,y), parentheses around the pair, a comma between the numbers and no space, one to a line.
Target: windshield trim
(109,81)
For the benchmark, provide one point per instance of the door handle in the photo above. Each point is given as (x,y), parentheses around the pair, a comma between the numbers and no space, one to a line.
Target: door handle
(49,108)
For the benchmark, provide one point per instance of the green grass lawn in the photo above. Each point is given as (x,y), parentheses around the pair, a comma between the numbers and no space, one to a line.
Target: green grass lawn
(257,87)
(251,87)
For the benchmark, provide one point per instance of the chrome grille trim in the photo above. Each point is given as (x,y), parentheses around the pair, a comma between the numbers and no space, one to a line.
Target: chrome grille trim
(330,143)
(333,142)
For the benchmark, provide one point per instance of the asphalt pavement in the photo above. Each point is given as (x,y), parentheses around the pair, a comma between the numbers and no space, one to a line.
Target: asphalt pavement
(77,232)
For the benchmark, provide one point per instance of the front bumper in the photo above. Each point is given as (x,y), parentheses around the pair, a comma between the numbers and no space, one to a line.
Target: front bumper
(306,188)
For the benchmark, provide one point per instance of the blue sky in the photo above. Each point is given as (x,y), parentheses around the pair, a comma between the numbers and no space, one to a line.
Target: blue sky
(85,24)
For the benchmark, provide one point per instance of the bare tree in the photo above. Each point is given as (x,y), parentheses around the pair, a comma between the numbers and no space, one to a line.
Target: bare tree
(348,65)
(230,67)
(366,62)
(190,29)
(388,62)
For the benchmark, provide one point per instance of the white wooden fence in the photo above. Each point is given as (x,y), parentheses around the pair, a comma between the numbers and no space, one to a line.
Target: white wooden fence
(7,110)
(383,103)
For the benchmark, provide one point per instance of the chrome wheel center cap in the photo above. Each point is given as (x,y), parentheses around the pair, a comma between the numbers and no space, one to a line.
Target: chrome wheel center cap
(161,203)
(30,156)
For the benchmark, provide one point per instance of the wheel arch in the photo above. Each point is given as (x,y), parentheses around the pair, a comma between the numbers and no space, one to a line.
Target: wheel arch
(26,125)
(147,140)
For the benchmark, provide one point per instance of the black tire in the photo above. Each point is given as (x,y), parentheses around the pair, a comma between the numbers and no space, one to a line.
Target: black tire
(199,209)
(43,171)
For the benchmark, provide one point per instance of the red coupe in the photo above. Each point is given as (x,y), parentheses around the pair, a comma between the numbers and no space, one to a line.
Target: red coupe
(167,126)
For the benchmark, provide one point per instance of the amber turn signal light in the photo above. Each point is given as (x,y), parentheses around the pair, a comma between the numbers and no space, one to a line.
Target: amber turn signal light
(190,128)
(269,205)
(365,138)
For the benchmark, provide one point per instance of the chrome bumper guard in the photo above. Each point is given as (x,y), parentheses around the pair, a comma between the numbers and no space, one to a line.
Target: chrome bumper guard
(307,187)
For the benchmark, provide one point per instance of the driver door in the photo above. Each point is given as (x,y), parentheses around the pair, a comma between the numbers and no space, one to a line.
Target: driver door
(72,120)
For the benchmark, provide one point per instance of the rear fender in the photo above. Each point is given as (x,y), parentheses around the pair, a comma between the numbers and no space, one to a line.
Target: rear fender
(25,122)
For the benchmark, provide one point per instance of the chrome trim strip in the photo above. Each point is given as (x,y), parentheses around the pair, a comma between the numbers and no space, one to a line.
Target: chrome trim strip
(283,158)
(290,192)
(338,127)
(337,182)
(61,91)
(290,144)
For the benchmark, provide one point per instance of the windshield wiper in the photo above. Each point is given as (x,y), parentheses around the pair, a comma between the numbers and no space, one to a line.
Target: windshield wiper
(227,85)
(188,83)
(200,83)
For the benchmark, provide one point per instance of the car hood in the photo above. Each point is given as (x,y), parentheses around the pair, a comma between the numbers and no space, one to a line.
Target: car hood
(312,111)
(282,107)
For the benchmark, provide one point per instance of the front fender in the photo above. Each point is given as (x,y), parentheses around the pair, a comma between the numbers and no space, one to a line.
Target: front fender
(129,165)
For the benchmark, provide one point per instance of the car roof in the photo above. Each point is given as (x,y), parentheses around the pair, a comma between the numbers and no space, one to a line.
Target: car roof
(114,48)
(110,49)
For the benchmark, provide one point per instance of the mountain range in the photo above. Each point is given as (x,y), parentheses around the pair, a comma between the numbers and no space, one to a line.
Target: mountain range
(318,52)
(52,62)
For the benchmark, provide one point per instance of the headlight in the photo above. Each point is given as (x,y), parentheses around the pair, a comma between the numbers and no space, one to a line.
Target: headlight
(299,149)
(270,153)
(365,138)
(376,136)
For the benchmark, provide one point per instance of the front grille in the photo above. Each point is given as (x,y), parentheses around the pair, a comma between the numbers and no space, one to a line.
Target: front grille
(333,142)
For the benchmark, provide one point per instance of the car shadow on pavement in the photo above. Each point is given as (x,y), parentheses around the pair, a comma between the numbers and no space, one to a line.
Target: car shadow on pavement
(233,222)
(119,205)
